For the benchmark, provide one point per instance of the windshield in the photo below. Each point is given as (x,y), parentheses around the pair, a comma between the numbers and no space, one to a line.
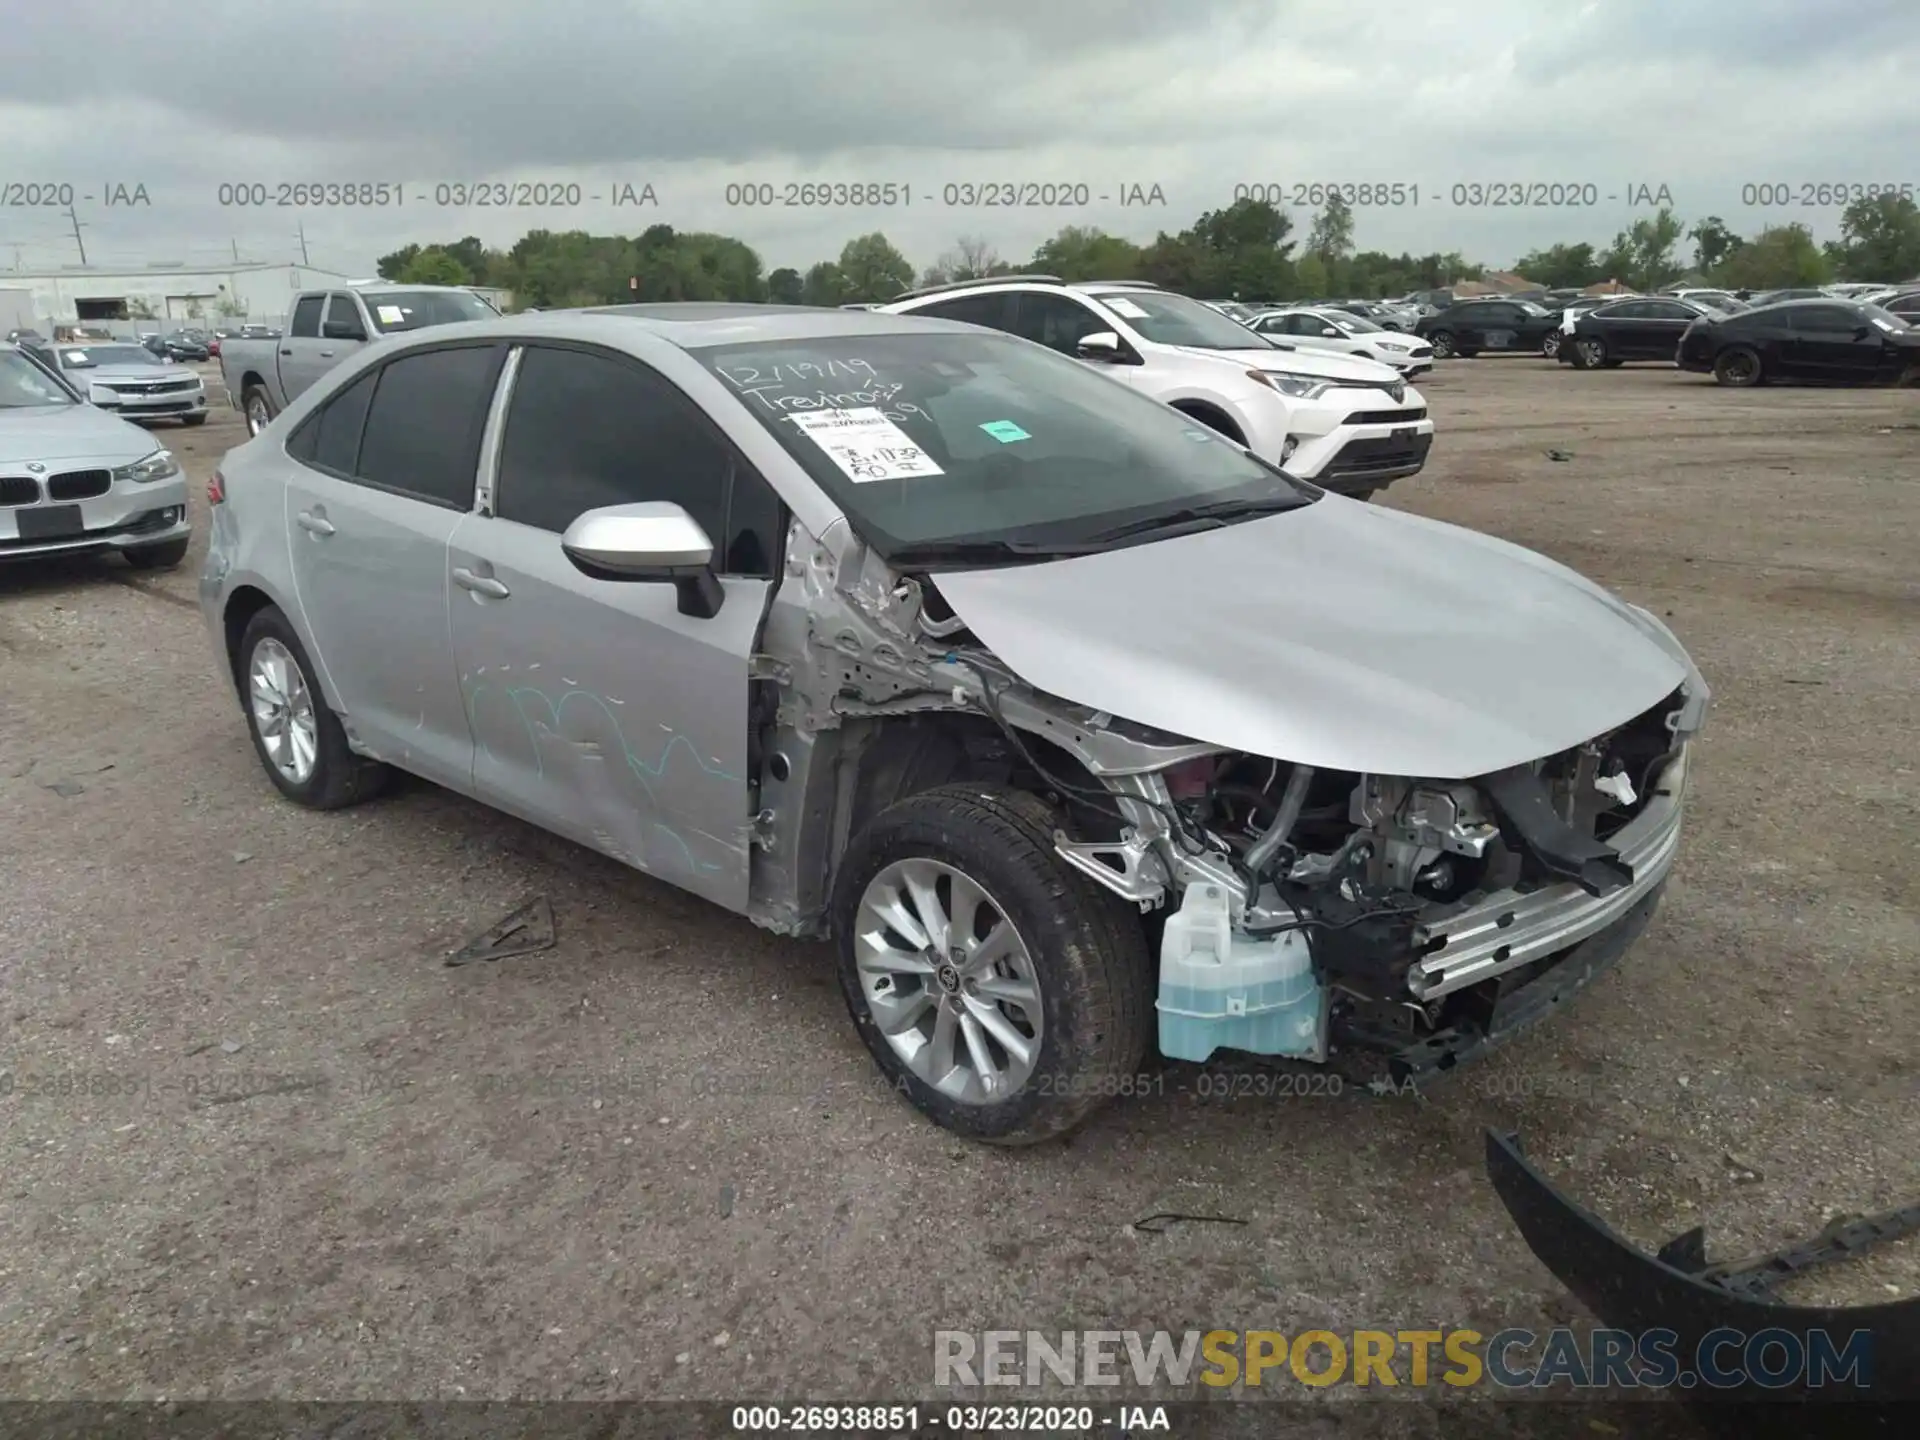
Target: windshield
(24,384)
(1349,322)
(86,357)
(398,310)
(937,442)
(1175,320)
(1531,308)
(1885,319)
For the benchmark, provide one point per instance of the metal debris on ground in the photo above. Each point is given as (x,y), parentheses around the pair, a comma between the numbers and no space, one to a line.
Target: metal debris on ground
(1156,1224)
(1559,454)
(521,932)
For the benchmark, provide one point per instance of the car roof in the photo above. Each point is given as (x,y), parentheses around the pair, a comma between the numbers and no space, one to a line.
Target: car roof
(699,325)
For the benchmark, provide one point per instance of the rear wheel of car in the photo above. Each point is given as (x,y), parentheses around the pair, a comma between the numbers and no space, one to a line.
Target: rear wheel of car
(164,556)
(259,407)
(193,419)
(1003,993)
(1589,352)
(299,740)
(1550,347)
(1442,341)
(1738,366)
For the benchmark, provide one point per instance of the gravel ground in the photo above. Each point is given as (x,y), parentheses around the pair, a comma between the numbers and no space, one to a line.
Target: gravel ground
(654,1162)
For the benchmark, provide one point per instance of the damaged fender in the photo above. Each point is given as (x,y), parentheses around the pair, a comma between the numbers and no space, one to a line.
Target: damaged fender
(1679,1291)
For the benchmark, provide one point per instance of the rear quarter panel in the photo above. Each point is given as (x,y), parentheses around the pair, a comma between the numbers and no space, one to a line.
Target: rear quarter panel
(250,362)
(248,547)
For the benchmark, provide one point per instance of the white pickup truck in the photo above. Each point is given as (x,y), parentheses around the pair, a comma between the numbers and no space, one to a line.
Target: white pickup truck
(326,326)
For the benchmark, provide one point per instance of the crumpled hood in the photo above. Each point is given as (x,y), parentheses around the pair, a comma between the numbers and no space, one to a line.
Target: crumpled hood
(48,433)
(1354,369)
(1341,635)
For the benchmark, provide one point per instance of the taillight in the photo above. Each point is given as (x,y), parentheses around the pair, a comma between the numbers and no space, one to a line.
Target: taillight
(216,489)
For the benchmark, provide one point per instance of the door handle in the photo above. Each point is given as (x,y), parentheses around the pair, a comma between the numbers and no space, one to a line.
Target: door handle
(326,354)
(315,524)
(286,352)
(479,584)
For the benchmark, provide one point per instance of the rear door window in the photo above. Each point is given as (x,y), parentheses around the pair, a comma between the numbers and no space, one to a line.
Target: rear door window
(422,433)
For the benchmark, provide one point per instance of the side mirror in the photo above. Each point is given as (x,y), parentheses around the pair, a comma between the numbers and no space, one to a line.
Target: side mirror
(654,540)
(1100,345)
(1861,332)
(343,330)
(1329,332)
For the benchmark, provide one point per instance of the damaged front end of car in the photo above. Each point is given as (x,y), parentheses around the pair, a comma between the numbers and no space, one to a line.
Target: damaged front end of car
(1303,912)
(1405,922)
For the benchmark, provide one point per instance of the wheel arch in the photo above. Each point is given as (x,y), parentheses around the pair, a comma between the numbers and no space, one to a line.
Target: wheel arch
(246,600)
(1211,415)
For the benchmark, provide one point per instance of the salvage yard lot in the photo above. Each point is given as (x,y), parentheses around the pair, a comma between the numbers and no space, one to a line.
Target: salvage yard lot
(256,1139)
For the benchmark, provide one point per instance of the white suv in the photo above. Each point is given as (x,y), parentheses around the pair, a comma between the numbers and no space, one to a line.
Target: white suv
(1347,424)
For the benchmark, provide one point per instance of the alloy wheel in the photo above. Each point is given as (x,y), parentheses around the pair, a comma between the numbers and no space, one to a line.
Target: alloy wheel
(948,980)
(282,708)
(257,416)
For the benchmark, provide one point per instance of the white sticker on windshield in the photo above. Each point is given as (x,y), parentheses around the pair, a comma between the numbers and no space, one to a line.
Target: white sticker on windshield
(390,314)
(865,444)
(1124,307)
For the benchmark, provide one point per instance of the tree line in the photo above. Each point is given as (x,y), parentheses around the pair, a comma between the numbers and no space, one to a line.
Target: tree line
(1246,251)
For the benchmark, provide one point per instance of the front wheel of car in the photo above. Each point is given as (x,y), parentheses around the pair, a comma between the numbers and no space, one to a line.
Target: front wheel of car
(1550,347)
(1442,341)
(164,556)
(1589,353)
(1738,367)
(1003,993)
(259,407)
(300,741)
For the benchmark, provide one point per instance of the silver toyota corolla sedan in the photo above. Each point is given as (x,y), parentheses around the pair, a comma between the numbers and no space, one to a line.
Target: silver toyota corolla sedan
(1082,732)
(74,478)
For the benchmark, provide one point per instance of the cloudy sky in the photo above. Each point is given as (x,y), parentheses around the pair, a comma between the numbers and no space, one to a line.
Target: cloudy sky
(1597,98)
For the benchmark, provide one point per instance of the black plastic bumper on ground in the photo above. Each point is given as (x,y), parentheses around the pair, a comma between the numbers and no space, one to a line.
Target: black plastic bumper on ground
(1629,1289)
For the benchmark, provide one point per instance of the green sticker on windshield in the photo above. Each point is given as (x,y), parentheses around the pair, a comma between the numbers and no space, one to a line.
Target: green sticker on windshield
(1005,431)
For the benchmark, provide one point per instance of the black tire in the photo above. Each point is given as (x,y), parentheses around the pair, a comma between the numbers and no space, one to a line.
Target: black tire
(164,556)
(1088,950)
(193,419)
(339,777)
(1738,367)
(1442,342)
(257,405)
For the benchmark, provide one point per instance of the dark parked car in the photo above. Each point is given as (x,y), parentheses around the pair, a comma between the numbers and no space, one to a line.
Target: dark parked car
(1826,341)
(1646,327)
(184,345)
(1467,327)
